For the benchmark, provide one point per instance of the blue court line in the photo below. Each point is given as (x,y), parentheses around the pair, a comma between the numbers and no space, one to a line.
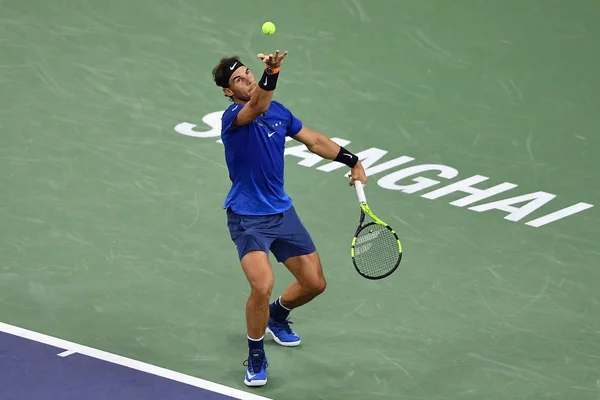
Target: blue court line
(60,363)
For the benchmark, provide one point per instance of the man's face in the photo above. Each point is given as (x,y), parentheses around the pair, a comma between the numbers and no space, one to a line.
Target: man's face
(241,84)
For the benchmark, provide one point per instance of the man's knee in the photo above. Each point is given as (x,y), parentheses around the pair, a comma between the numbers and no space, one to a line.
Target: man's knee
(262,289)
(259,273)
(316,285)
(308,272)
(320,286)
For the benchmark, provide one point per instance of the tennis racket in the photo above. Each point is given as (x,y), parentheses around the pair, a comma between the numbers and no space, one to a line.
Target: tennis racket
(376,250)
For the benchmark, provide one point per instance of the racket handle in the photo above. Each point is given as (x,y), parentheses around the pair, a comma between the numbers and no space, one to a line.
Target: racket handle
(360,192)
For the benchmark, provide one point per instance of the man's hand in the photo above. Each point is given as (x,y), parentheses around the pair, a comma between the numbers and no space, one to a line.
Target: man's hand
(273,61)
(357,173)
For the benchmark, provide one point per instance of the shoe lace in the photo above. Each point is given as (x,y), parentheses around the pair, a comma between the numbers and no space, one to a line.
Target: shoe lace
(285,325)
(256,362)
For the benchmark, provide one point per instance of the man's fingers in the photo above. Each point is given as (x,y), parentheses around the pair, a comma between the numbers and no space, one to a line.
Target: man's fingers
(264,57)
(277,57)
(282,56)
(363,179)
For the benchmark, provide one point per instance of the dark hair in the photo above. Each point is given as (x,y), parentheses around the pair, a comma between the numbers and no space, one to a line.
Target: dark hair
(219,74)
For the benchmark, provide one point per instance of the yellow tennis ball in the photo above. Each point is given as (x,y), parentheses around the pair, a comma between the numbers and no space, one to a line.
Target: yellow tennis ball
(268,28)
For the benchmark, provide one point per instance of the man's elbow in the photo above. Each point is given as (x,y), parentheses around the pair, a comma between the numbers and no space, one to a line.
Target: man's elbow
(257,109)
(262,107)
(259,106)
(314,144)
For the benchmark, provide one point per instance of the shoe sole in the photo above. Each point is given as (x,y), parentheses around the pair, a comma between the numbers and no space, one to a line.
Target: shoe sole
(255,383)
(286,344)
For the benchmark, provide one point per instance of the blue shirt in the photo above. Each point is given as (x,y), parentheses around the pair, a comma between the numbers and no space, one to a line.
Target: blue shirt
(254,157)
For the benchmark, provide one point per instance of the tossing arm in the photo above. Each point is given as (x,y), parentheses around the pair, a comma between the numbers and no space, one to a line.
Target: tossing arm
(263,93)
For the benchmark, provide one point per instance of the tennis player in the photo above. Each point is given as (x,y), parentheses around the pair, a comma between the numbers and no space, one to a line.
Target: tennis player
(260,214)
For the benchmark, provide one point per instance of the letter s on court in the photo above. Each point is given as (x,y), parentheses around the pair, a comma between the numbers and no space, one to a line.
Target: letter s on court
(213,120)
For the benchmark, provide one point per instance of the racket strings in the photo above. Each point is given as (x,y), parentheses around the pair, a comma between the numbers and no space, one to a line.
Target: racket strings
(376,251)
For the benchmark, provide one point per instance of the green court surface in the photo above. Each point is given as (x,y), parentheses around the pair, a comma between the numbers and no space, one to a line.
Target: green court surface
(112,182)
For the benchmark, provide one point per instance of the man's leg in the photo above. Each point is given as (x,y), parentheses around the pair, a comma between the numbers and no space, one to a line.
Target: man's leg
(251,237)
(295,249)
(259,273)
(309,282)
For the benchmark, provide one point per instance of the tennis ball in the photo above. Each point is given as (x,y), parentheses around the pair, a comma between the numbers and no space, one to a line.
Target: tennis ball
(268,28)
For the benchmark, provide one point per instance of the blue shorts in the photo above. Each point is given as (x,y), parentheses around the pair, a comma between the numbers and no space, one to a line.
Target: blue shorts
(283,234)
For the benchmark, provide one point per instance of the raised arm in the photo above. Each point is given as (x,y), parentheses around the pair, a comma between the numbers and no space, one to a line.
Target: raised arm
(261,96)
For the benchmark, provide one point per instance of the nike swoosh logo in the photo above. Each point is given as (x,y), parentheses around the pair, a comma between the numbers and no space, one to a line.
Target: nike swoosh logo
(233,66)
(348,155)
(270,134)
(265,81)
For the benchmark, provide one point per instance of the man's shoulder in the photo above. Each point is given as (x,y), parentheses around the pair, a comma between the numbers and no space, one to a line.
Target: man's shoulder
(235,107)
(231,109)
(228,116)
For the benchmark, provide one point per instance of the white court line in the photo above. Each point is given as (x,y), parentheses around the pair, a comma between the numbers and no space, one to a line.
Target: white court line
(66,353)
(128,362)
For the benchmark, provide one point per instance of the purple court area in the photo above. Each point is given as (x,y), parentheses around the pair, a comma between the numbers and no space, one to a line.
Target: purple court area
(32,370)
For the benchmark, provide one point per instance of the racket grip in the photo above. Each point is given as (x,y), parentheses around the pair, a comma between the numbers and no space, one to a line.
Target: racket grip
(360,192)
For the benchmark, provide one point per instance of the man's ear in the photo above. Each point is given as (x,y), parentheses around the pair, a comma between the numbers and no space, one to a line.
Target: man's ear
(227,92)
